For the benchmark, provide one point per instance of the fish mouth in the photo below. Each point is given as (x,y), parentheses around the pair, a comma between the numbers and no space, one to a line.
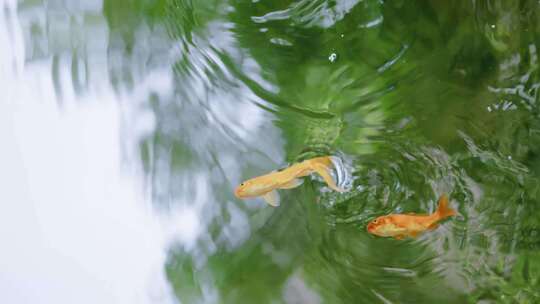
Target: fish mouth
(241,193)
(238,193)
(370,227)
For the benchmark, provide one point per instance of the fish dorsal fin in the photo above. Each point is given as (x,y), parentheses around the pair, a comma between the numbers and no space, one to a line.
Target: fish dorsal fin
(292,184)
(272,198)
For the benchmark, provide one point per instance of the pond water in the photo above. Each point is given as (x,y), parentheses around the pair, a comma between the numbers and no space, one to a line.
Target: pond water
(126,126)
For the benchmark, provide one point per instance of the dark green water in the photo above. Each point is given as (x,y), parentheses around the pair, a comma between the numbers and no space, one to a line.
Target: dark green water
(423,98)
(419,97)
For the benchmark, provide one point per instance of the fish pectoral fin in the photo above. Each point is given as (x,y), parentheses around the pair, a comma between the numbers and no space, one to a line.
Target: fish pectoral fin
(292,184)
(324,172)
(414,234)
(272,198)
(433,226)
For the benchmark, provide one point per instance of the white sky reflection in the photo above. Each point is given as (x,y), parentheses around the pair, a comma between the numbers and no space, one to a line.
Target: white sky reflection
(75,226)
(76,220)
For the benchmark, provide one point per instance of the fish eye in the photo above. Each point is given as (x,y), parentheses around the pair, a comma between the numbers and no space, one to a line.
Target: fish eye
(375,221)
(242,184)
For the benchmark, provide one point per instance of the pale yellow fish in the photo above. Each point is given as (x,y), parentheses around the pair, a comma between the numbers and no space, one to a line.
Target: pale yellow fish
(400,226)
(266,185)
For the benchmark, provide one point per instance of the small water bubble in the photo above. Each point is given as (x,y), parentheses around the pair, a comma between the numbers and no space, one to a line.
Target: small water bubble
(493,26)
(332,57)
(509,157)
(342,35)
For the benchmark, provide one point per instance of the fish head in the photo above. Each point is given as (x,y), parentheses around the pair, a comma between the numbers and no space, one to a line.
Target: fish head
(375,224)
(242,190)
(250,188)
(381,226)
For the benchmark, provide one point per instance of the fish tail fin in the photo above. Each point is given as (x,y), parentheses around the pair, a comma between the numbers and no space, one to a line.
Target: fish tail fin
(325,172)
(444,211)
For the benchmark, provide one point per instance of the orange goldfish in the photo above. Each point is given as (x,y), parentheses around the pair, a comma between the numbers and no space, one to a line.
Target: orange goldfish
(266,185)
(400,226)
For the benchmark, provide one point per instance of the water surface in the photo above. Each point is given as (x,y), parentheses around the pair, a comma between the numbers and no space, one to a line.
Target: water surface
(127,125)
